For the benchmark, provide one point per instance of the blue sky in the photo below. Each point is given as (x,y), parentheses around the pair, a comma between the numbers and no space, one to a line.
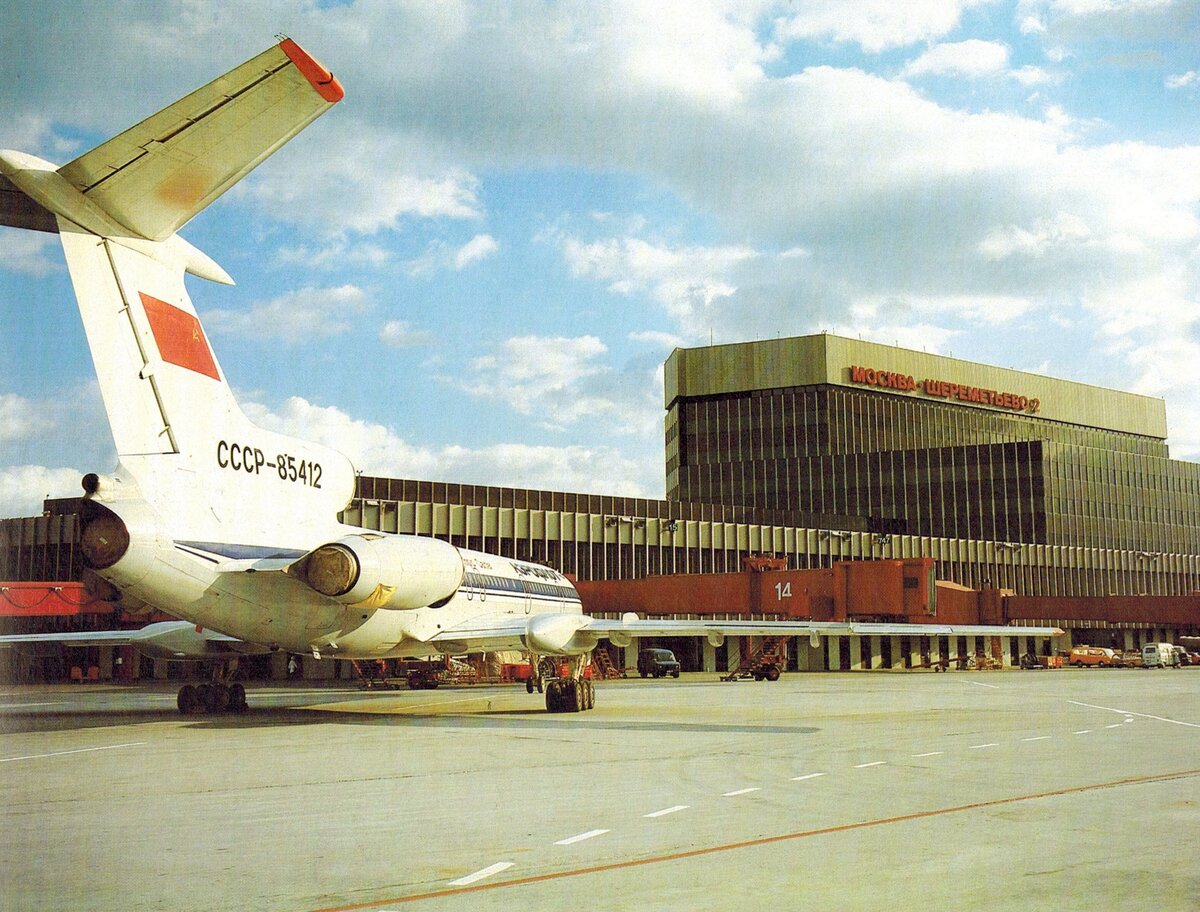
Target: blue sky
(473,267)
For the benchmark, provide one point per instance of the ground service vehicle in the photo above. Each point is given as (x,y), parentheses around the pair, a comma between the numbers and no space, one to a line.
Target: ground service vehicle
(1158,655)
(657,663)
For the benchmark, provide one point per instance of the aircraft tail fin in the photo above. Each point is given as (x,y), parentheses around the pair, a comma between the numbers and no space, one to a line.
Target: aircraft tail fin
(184,445)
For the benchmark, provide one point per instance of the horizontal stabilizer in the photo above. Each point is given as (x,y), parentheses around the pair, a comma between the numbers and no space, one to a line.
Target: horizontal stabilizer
(156,176)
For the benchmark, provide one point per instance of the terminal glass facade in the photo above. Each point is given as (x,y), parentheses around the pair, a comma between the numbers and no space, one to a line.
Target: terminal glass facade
(911,465)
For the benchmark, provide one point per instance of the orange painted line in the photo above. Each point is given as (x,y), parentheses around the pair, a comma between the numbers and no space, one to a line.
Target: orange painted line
(751,843)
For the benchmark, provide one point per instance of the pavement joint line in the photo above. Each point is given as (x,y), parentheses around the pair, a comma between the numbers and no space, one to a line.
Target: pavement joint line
(78,750)
(580,837)
(665,811)
(628,863)
(481,874)
(744,791)
(1130,712)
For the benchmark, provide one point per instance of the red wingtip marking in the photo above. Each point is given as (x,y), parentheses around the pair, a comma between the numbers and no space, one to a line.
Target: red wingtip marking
(322,80)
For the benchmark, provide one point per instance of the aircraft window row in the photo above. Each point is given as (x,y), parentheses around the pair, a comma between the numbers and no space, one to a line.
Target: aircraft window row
(517,586)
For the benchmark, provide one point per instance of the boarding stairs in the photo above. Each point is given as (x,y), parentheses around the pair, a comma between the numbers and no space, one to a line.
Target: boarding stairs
(603,664)
(769,653)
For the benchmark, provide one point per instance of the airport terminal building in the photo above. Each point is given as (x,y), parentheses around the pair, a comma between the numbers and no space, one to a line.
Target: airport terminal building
(817,450)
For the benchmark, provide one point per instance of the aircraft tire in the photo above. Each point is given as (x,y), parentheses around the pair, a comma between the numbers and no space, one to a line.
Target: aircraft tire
(186,700)
(237,699)
(202,697)
(217,699)
(553,700)
(529,685)
(589,694)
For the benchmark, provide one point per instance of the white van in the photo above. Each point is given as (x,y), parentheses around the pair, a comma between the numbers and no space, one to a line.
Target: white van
(1159,655)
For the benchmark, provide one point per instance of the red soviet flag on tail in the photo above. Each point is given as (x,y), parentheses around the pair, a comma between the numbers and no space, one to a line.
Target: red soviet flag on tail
(179,337)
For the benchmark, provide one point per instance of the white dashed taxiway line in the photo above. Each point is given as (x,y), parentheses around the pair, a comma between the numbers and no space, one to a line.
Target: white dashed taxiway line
(480,875)
(580,837)
(806,776)
(665,811)
(1130,712)
(745,791)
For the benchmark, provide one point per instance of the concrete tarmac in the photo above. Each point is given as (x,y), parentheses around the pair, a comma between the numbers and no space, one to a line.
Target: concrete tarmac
(1071,789)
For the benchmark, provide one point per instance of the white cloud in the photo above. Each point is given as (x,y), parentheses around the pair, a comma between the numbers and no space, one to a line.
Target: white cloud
(401,334)
(439,256)
(972,58)
(24,487)
(378,450)
(356,185)
(1182,80)
(295,317)
(18,417)
(875,25)
(687,281)
(476,250)
(542,376)
(33,253)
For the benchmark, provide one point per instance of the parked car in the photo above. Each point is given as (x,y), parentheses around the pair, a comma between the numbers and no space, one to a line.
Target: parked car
(657,663)
(1132,658)
(1094,655)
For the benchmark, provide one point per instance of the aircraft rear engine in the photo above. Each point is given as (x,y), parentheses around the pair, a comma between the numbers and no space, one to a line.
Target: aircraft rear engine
(384,571)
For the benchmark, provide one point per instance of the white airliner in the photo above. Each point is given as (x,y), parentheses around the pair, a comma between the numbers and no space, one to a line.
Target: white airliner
(234,528)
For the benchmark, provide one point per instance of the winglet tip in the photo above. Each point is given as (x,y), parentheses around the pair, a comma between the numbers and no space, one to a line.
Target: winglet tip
(321,79)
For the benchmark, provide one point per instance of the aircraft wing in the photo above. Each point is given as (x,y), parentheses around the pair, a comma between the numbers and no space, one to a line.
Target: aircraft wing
(162,640)
(156,176)
(574,633)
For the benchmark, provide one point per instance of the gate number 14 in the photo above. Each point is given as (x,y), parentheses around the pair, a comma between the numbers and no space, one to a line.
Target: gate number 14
(782,591)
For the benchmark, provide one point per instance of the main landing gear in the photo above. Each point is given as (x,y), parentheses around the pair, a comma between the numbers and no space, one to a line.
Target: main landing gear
(217,696)
(573,693)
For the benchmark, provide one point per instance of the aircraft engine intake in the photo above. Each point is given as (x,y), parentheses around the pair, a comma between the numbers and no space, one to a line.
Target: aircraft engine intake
(374,570)
(119,546)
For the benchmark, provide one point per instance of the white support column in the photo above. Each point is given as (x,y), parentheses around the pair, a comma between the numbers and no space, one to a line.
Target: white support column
(856,653)
(953,657)
(629,655)
(935,650)
(833,652)
(897,656)
(708,657)
(914,651)
(1128,640)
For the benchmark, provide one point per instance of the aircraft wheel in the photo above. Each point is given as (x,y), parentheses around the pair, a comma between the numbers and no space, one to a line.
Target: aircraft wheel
(553,701)
(529,685)
(772,673)
(590,693)
(202,696)
(573,696)
(217,699)
(237,698)
(186,701)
